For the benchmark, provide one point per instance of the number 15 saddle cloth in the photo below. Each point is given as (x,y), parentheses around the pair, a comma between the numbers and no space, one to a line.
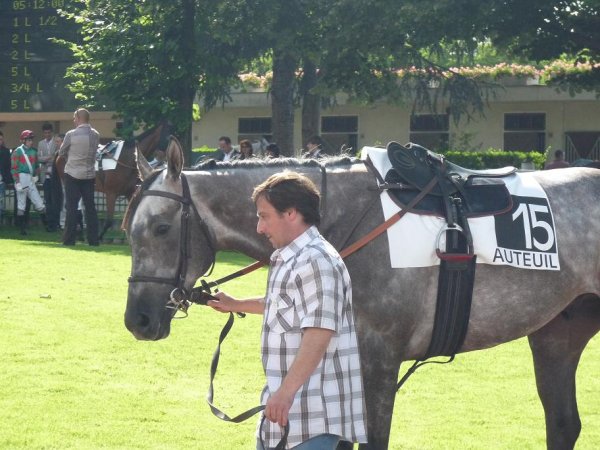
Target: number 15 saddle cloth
(520,235)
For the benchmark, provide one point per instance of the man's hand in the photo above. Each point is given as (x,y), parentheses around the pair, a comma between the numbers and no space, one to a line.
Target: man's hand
(18,187)
(278,407)
(224,302)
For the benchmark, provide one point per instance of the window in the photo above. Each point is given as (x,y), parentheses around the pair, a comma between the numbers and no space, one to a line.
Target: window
(525,132)
(340,133)
(254,128)
(430,130)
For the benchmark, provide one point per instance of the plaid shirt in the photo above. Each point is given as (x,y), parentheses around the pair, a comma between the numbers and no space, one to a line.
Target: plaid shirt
(309,286)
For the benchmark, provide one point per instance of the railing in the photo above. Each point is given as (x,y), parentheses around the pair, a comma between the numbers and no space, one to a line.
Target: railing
(116,235)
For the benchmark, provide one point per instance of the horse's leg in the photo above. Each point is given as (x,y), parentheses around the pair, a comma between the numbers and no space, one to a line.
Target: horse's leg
(380,376)
(111,200)
(556,349)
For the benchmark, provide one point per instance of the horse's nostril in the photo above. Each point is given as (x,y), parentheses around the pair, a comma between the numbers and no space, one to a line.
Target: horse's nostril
(143,321)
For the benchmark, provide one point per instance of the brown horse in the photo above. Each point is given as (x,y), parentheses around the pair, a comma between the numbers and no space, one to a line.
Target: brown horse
(122,180)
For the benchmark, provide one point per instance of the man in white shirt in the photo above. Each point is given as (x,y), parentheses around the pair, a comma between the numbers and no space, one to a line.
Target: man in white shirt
(226,152)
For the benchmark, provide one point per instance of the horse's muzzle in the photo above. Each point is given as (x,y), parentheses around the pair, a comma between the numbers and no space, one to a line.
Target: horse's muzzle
(145,327)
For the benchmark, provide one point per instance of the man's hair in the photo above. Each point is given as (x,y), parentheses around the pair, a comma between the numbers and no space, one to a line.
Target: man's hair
(273,148)
(227,139)
(287,190)
(83,114)
(47,127)
(559,154)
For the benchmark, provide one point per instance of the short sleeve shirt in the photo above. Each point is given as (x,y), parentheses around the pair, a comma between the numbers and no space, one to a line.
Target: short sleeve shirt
(79,147)
(309,286)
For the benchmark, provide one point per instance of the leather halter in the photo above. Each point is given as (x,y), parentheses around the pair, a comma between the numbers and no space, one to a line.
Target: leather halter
(178,298)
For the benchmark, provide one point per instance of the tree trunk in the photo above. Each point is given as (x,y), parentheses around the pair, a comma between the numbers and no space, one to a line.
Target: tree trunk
(311,103)
(187,90)
(282,101)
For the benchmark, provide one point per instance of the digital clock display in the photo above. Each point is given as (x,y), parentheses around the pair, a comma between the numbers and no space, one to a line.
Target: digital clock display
(32,72)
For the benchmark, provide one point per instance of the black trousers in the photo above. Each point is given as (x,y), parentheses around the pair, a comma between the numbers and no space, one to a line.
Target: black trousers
(74,190)
(53,197)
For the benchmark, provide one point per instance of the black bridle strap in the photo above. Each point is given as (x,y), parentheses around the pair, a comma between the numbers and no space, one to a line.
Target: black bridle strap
(186,203)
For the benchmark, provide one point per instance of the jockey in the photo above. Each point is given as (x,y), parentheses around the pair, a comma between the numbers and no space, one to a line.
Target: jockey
(25,171)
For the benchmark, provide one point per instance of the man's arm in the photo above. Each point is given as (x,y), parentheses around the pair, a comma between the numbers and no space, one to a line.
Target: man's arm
(226,303)
(312,348)
(63,151)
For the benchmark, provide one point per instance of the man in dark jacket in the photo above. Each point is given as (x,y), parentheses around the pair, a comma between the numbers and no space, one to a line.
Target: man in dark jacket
(6,180)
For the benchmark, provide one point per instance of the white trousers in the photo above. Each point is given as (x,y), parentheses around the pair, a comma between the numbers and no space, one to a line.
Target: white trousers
(33,195)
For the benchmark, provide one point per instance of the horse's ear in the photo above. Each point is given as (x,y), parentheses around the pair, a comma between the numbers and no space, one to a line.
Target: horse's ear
(143,164)
(174,158)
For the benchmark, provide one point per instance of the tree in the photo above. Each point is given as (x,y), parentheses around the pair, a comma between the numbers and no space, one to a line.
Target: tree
(544,30)
(149,59)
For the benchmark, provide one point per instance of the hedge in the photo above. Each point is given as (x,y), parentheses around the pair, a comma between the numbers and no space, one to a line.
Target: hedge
(492,158)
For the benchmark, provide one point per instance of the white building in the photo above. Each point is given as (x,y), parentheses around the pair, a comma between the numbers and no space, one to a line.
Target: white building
(520,117)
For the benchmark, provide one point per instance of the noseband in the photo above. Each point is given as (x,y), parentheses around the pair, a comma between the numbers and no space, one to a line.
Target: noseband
(179,299)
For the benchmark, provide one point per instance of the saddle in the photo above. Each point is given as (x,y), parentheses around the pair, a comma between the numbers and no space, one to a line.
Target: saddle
(478,192)
(457,194)
(107,150)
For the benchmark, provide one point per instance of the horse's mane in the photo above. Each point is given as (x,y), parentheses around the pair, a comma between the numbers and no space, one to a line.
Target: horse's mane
(328,161)
(137,197)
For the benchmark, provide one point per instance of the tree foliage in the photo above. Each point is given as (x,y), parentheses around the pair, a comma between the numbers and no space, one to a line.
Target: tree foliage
(150,58)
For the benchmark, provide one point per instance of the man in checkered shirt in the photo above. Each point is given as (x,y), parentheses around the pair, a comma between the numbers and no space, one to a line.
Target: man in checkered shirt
(309,346)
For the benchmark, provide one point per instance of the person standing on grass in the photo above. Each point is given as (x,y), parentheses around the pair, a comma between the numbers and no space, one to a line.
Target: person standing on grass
(79,149)
(6,180)
(25,171)
(309,346)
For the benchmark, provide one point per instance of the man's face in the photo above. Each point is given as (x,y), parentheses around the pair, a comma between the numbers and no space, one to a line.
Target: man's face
(47,134)
(312,147)
(58,141)
(273,224)
(223,145)
(28,142)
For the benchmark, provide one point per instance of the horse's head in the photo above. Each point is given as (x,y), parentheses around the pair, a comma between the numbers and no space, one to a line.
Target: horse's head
(171,248)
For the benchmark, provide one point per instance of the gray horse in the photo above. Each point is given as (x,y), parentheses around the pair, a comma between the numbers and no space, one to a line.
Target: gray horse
(559,311)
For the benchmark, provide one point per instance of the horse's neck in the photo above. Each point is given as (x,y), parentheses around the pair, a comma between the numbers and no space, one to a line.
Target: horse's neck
(231,214)
(348,205)
(223,201)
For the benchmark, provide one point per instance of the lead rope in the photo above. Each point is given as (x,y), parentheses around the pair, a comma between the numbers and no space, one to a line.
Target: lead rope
(246,414)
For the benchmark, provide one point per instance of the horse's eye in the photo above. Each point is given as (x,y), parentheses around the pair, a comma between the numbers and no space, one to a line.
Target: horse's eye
(162,229)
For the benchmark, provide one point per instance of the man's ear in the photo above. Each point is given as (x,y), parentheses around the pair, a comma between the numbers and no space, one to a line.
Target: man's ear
(291,213)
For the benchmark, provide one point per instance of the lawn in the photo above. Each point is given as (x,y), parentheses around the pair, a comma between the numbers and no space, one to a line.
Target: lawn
(72,376)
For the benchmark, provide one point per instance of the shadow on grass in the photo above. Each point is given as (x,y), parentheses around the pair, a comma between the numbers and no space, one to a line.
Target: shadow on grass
(39,237)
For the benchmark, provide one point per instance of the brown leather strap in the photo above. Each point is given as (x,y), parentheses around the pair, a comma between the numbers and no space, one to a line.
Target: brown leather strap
(388,223)
(345,252)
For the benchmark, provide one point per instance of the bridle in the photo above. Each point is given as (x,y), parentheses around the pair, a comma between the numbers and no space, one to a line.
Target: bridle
(179,298)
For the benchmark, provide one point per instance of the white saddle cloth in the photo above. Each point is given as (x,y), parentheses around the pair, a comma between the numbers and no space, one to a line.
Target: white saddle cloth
(524,237)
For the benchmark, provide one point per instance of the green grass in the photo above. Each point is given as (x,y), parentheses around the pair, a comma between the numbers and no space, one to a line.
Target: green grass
(71,375)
